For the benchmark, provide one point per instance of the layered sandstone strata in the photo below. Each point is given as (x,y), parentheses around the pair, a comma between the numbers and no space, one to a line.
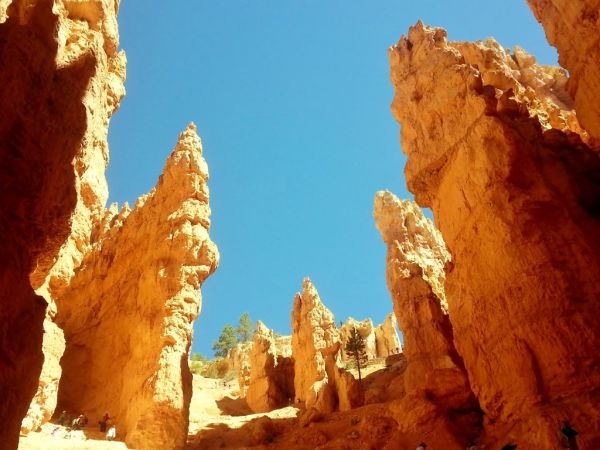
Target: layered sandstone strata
(128,311)
(271,384)
(387,341)
(239,361)
(61,78)
(495,149)
(572,27)
(416,261)
(318,382)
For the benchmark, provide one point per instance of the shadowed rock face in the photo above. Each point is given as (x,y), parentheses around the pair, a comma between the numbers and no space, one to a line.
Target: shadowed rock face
(128,311)
(416,261)
(45,86)
(494,148)
(572,27)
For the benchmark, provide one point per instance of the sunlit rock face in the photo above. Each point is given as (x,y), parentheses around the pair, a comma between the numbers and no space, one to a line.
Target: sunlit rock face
(572,27)
(318,381)
(128,311)
(416,262)
(271,384)
(365,329)
(495,150)
(61,78)
(386,337)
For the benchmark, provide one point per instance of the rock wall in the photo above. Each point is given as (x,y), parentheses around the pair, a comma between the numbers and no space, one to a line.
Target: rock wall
(495,150)
(239,359)
(271,383)
(54,58)
(318,382)
(387,341)
(572,27)
(128,311)
(416,261)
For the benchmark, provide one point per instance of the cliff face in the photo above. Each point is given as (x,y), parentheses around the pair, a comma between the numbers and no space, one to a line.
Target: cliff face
(271,384)
(128,311)
(495,150)
(60,80)
(572,27)
(318,382)
(416,261)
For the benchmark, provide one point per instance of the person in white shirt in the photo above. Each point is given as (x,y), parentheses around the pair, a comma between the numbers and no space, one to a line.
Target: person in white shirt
(111,434)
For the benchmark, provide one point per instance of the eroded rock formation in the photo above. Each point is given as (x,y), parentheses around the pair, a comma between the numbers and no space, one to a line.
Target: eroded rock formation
(416,260)
(128,311)
(239,359)
(386,337)
(61,78)
(318,382)
(271,384)
(495,149)
(572,27)
(365,330)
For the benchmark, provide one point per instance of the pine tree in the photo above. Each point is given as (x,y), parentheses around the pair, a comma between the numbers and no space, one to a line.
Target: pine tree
(355,348)
(226,341)
(244,329)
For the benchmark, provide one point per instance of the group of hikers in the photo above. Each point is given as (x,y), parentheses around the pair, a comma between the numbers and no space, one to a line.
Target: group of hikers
(106,424)
(568,440)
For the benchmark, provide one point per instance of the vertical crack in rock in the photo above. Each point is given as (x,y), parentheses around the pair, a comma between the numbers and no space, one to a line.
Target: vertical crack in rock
(495,149)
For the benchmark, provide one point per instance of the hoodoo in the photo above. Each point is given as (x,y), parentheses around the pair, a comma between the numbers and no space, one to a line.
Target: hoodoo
(128,312)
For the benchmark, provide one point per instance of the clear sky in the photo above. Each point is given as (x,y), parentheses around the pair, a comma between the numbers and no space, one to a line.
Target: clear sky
(291,99)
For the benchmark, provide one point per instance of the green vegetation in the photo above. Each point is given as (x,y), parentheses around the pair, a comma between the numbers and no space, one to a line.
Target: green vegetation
(226,341)
(244,329)
(355,348)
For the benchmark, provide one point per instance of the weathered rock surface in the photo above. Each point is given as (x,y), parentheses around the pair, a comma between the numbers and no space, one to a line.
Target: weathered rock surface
(60,80)
(239,358)
(572,27)
(365,330)
(271,384)
(387,341)
(416,261)
(128,311)
(318,382)
(495,150)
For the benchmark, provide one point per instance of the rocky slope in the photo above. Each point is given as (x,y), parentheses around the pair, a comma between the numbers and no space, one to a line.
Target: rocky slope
(495,150)
(572,27)
(128,311)
(61,78)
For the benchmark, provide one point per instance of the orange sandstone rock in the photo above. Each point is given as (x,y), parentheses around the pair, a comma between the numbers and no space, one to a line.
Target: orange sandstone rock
(128,311)
(365,330)
(318,382)
(271,383)
(61,78)
(386,337)
(495,150)
(416,262)
(572,27)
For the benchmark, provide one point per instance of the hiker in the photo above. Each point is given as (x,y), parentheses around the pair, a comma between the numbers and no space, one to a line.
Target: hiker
(569,437)
(82,420)
(75,423)
(62,418)
(103,422)
(111,434)
(422,446)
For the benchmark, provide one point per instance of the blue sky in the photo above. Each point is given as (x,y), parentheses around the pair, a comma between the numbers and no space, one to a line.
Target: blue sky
(291,99)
